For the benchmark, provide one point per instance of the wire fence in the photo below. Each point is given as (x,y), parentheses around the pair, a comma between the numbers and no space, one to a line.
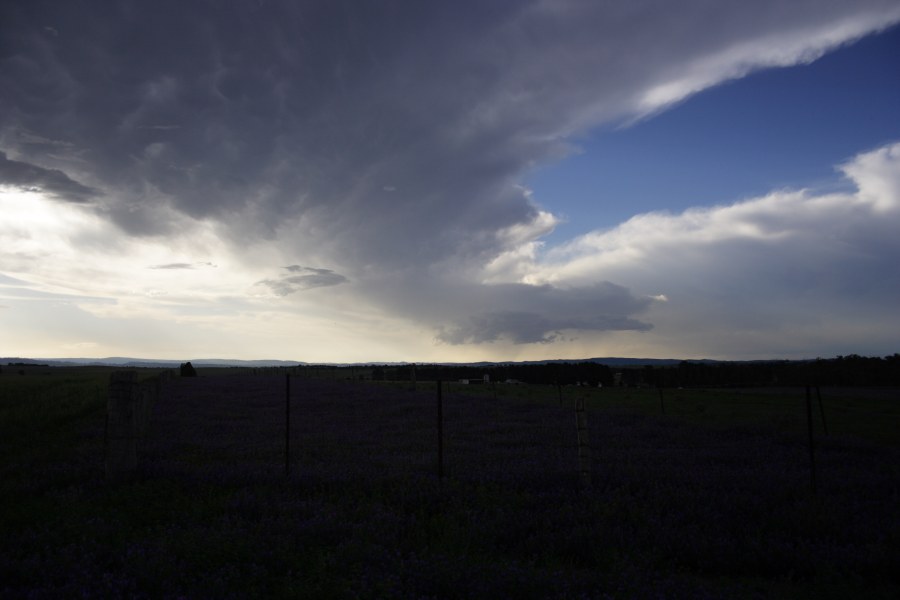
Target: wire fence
(275,424)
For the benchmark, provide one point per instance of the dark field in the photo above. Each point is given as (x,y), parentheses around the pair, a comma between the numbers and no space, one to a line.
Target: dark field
(712,499)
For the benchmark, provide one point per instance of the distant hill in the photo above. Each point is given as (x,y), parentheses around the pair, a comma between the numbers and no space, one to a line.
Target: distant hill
(851,370)
(610,361)
(122,361)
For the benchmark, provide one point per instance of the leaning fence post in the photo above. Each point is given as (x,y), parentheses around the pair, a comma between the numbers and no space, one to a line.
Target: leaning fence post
(584,449)
(122,421)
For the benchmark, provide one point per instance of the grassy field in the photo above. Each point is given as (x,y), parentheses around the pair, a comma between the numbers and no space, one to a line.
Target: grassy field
(865,413)
(711,499)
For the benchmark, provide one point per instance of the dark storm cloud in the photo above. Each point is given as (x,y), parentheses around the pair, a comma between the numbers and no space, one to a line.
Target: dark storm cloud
(283,109)
(380,137)
(529,328)
(469,313)
(31,177)
(304,278)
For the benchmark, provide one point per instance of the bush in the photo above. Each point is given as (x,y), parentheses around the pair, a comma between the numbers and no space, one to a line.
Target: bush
(187,370)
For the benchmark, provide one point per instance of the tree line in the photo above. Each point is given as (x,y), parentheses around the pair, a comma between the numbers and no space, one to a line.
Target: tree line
(852,370)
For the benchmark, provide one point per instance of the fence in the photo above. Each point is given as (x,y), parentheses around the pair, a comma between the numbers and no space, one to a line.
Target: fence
(255,424)
(212,499)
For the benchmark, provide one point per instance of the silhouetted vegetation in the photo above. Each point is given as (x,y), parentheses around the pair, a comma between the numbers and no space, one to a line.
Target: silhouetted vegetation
(852,370)
(187,370)
(551,373)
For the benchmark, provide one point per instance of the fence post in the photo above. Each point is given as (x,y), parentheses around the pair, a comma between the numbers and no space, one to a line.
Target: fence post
(662,405)
(812,453)
(147,395)
(440,427)
(559,391)
(584,449)
(822,410)
(496,406)
(105,426)
(121,424)
(287,424)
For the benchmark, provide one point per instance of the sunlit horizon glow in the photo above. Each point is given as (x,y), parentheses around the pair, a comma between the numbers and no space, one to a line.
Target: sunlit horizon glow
(382,185)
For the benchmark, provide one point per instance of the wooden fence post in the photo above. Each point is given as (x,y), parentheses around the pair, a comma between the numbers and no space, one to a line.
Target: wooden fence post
(496,406)
(105,427)
(812,453)
(147,396)
(121,424)
(440,428)
(584,449)
(287,424)
(822,410)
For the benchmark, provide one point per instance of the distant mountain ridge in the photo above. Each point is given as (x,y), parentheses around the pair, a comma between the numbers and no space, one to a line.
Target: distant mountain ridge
(120,361)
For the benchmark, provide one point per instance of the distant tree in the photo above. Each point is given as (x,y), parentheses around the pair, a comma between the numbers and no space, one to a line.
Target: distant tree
(187,370)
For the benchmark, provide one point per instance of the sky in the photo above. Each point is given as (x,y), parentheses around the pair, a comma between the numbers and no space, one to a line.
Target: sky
(349,181)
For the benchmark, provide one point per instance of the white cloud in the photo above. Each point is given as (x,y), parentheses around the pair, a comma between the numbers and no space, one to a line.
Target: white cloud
(790,270)
(878,178)
(777,49)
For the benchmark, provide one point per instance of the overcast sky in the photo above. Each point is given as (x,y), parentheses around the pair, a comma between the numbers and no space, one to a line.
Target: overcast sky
(421,181)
